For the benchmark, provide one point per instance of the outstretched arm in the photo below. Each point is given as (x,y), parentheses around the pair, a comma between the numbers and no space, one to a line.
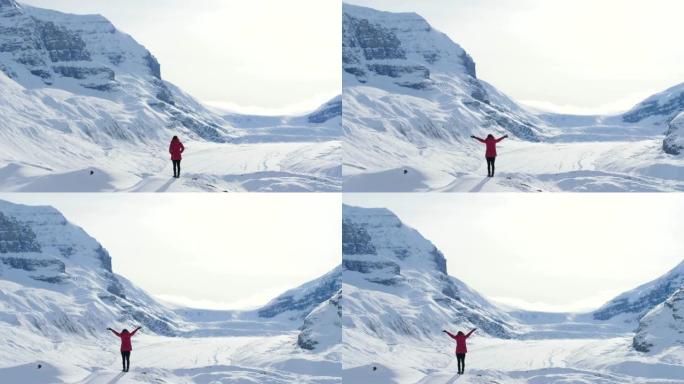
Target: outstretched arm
(114,332)
(501,138)
(478,139)
(136,330)
(449,333)
(470,333)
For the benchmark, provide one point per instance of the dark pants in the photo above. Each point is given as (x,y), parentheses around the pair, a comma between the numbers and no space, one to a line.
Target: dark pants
(490,166)
(126,360)
(460,357)
(176,168)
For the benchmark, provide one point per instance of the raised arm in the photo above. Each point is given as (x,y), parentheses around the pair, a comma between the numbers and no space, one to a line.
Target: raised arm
(478,139)
(470,333)
(114,332)
(449,333)
(501,138)
(136,330)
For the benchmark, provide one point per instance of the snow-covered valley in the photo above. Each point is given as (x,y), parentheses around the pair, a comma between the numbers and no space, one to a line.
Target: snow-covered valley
(398,296)
(85,108)
(59,293)
(412,100)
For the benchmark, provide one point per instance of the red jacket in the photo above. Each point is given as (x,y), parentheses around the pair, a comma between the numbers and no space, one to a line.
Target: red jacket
(175,149)
(491,145)
(125,337)
(461,341)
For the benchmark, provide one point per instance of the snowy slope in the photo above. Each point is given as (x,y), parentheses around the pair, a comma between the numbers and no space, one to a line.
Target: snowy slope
(412,99)
(58,294)
(663,326)
(632,305)
(80,95)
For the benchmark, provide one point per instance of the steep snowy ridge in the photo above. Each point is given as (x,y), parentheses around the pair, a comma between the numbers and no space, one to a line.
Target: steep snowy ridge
(396,284)
(663,326)
(632,305)
(408,86)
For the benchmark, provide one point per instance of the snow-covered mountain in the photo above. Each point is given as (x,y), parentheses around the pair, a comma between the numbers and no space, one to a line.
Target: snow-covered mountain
(407,85)
(80,95)
(663,326)
(56,279)
(632,305)
(397,289)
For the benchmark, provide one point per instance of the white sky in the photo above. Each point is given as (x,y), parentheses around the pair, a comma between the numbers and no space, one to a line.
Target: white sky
(253,56)
(222,251)
(575,56)
(553,252)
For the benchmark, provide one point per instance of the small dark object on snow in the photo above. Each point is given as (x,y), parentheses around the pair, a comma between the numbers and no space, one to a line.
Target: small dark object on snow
(405,171)
(40,366)
(375,368)
(194,178)
(92,173)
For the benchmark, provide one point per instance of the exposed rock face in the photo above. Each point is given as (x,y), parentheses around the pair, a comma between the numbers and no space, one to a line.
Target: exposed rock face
(328,111)
(299,302)
(673,143)
(322,327)
(663,326)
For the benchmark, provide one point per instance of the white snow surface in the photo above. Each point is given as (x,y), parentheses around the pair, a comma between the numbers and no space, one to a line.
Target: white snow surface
(58,295)
(411,102)
(81,96)
(391,332)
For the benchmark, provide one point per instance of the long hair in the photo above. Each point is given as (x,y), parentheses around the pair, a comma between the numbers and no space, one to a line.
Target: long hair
(490,136)
(174,139)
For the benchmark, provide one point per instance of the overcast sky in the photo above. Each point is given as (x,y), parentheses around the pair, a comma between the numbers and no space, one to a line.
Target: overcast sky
(253,56)
(219,251)
(556,252)
(577,56)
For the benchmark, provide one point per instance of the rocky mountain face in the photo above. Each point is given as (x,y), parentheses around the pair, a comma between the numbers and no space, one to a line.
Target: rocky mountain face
(396,284)
(299,302)
(86,55)
(663,326)
(406,80)
(663,111)
(322,327)
(56,279)
(632,305)
(673,143)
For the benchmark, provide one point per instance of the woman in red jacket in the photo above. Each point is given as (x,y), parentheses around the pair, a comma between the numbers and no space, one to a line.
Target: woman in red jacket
(461,348)
(126,346)
(490,153)
(175,149)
